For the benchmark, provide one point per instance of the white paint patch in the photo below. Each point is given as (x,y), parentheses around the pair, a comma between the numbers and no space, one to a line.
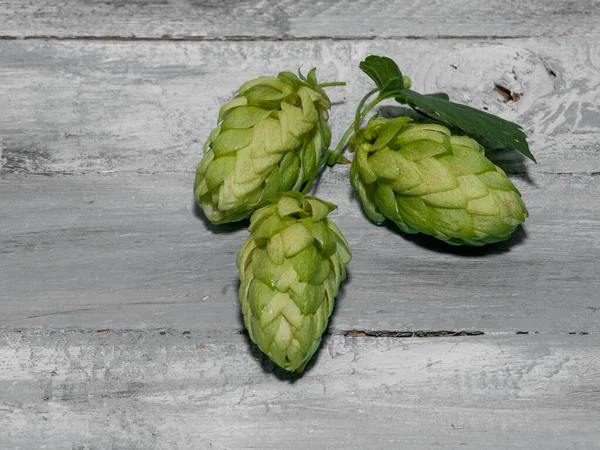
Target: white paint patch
(148,107)
(300,18)
(138,389)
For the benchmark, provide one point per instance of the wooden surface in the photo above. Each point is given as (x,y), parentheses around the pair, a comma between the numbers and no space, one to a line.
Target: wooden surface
(124,251)
(144,389)
(289,19)
(119,321)
(109,106)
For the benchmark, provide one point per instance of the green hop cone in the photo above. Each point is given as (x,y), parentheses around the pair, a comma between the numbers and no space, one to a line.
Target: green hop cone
(291,268)
(270,139)
(426,180)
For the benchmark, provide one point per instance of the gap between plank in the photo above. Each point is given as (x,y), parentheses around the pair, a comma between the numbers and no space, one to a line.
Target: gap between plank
(7,169)
(383,334)
(259,38)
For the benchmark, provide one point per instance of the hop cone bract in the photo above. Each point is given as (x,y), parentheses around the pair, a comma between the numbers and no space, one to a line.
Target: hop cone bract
(291,267)
(427,180)
(270,139)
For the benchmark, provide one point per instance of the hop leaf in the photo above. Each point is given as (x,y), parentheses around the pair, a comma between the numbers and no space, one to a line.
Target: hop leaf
(427,180)
(491,130)
(291,268)
(270,138)
(488,129)
(385,73)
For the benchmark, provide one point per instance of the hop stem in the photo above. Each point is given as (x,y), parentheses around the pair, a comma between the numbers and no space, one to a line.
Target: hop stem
(315,174)
(333,155)
(360,114)
(331,84)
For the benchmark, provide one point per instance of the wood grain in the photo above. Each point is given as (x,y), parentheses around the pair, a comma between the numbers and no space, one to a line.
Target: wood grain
(209,19)
(80,107)
(130,251)
(119,320)
(147,390)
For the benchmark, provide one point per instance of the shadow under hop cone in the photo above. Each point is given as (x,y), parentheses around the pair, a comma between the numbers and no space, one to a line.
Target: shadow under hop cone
(291,268)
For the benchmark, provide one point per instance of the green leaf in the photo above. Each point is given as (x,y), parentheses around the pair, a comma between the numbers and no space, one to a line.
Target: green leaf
(311,78)
(440,95)
(489,130)
(385,73)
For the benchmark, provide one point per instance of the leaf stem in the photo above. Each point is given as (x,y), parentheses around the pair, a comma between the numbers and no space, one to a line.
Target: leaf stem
(315,174)
(358,116)
(368,109)
(355,125)
(333,83)
(338,149)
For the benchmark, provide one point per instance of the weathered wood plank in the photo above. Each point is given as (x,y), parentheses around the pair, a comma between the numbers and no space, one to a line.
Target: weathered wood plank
(144,390)
(302,19)
(129,251)
(77,107)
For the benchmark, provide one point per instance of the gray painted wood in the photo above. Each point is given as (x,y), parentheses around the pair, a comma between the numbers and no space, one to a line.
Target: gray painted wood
(119,323)
(78,107)
(128,251)
(147,390)
(304,18)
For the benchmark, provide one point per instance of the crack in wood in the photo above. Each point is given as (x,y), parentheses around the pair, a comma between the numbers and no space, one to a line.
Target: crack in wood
(247,38)
(411,334)
(396,334)
(507,94)
(357,333)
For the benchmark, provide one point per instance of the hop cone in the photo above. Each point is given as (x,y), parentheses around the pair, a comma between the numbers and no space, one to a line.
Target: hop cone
(291,267)
(428,181)
(270,139)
